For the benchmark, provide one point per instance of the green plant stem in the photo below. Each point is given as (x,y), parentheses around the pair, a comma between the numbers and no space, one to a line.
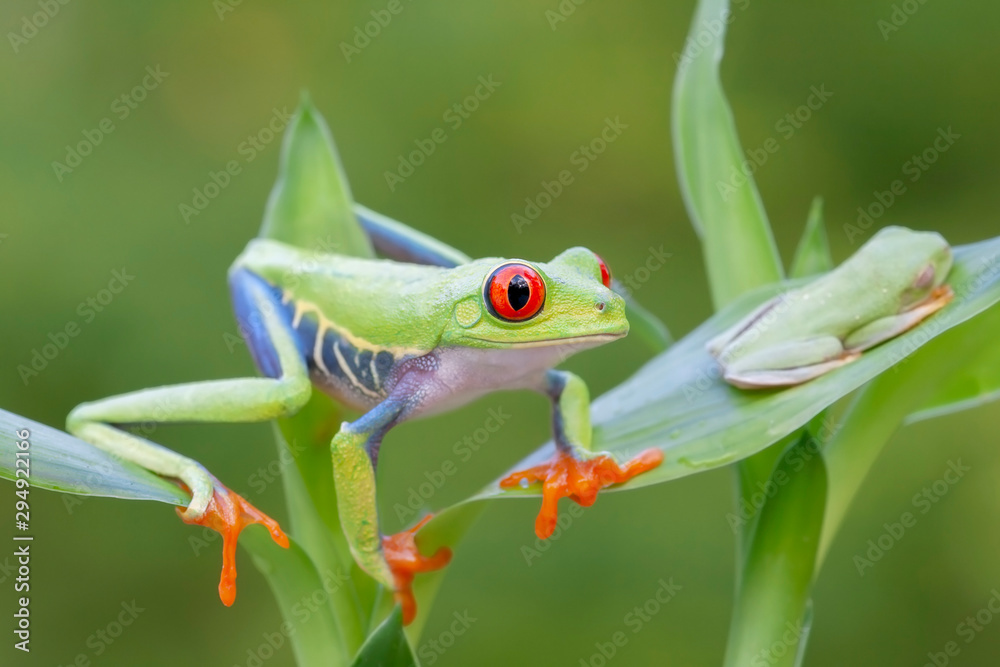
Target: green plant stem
(293,579)
(770,624)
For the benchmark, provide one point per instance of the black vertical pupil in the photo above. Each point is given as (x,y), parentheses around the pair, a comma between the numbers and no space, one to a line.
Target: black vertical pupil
(518,292)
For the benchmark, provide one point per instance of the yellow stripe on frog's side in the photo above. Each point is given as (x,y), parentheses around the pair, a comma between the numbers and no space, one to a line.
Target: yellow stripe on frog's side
(323,326)
(302,306)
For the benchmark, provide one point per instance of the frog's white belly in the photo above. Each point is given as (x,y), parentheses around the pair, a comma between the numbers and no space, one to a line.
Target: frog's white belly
(451,377)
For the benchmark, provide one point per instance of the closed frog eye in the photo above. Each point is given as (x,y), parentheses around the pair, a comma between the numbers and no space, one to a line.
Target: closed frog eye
(515,292)
(605,271)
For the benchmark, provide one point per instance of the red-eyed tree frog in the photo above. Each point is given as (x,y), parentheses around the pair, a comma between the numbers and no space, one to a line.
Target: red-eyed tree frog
(888,286)
(422,332)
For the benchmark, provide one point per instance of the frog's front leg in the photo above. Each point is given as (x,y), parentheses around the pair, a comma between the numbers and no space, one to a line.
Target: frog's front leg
(574,471)
(885,328)
(391,560)
(238,400)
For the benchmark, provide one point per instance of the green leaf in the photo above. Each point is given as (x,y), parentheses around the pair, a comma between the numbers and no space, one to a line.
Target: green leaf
(812,257)
(312,628)
(643,323)
(768,625)
(976,384)
(312,508)
(445,530)
(724,204)
(679,403)
(387,646)
(878,410)
(60,462)
(310,205)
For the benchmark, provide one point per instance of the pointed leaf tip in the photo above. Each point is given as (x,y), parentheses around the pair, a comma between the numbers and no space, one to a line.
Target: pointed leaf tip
(812,256)
(310,205)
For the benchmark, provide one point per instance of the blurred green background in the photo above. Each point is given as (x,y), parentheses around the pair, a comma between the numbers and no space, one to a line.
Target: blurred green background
(227,71)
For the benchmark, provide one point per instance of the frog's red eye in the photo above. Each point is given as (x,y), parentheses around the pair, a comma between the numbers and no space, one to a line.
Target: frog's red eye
(605,271)
(515,292)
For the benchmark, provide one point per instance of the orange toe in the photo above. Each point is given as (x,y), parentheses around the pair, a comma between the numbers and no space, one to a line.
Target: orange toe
(228,514)
(406,561)
(565,476)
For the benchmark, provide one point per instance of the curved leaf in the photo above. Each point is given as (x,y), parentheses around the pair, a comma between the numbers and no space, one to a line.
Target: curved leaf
(812,257)
(60,462)
(386,647)
(978,383)
(723,203)
(311,628)
(310,204)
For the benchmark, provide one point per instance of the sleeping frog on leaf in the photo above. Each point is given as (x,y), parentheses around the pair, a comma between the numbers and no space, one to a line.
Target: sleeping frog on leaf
(421,333)
(887,287)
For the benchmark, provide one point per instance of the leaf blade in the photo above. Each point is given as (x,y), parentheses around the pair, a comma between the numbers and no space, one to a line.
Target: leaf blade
(387,646)
(61,462)
(293,578)
(812,256)
(310,205)
(739,248)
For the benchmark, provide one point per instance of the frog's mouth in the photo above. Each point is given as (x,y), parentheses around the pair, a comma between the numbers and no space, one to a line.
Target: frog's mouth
(586,340)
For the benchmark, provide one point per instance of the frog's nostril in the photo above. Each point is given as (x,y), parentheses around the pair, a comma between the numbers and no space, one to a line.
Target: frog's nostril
(600,305)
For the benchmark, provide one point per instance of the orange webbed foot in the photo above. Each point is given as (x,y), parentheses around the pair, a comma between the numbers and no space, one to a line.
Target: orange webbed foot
(566,476)
(406,561)
(228,514)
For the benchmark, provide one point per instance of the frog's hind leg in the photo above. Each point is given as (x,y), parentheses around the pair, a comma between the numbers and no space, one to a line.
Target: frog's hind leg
(885,328)
(789,363)
(405,244)
(391,560)
(236,400)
